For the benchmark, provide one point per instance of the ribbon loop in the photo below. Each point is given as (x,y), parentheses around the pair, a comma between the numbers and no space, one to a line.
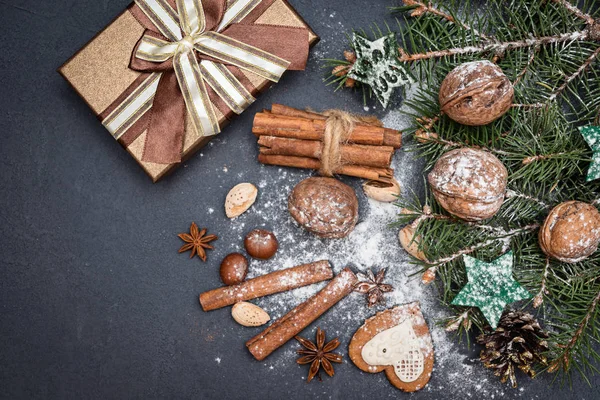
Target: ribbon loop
(191,16)
(236,12)
(163,17)
(234,52)
(155,50)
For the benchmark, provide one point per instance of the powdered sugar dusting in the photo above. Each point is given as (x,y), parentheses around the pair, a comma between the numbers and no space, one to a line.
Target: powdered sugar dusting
(372,244)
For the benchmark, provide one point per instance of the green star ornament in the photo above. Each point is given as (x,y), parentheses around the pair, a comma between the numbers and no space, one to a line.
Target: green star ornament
(377,65)
(591,134)
(491,287)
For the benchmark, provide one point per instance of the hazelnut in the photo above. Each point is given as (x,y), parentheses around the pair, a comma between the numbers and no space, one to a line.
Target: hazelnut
(469,183)
(476,93)
(571,232)
(261,244)
(324,206)
(234,268)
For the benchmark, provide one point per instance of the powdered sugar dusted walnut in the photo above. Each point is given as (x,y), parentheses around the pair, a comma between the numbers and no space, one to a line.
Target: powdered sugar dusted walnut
(469,183)
(324,206)
(476,93)
(571,232)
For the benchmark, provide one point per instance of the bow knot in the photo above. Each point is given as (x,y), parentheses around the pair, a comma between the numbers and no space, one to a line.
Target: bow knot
(187,43)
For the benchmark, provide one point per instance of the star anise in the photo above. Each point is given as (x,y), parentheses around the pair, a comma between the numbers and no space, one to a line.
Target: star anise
(373,286)
(319,355)
(196,241)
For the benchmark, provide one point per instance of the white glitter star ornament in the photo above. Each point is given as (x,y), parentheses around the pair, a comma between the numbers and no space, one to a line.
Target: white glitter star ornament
(378,66)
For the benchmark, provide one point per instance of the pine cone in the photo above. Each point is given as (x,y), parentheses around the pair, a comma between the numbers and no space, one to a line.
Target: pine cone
(340,70)
(350,56)
(518,342)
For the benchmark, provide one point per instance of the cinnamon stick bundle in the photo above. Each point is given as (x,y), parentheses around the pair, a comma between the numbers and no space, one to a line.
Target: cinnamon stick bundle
(296,138)
(291,324)
(271,124)
(274,282)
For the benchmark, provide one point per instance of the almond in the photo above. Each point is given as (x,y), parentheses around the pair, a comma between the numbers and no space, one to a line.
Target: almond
(239,199)
(411,246)
(386,192)
(247,314)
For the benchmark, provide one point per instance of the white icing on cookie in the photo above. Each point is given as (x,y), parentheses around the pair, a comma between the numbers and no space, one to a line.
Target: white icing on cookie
(397,346)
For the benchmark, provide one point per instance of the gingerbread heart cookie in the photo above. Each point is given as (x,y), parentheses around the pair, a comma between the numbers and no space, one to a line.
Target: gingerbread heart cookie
(398,342)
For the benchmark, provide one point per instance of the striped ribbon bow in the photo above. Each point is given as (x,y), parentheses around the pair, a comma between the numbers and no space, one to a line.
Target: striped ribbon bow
(191,44)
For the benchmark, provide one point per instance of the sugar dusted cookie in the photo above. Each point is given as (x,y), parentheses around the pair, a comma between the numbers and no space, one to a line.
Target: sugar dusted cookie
(398,342)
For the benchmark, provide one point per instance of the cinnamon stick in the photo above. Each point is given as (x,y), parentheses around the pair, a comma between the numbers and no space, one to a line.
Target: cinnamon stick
(274,282)
(313,129)
(359,171)
(300,317)
(391,137)
(281,109)
(371,156)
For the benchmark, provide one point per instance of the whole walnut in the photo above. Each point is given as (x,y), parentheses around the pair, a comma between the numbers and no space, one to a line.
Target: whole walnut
(476,93)
(469,183)
(571,232)
(324,206)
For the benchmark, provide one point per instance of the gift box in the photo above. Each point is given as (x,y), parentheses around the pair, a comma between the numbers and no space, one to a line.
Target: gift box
(167,75)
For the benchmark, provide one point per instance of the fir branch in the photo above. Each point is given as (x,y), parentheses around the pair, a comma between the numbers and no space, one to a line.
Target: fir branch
(563,361)
(505,238)
(428,214)
(497,47)
(421,8)
(576,11)
(532,52)
(550,50)
(550,53)
(579,71)
(425,136)
(462,319)
(512,193)
(539,297)
(540,157)
(529,106)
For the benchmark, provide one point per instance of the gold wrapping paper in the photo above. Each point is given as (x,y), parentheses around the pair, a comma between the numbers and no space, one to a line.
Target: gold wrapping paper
(100,73)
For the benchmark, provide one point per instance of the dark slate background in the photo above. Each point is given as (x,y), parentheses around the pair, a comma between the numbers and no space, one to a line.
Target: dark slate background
(95,302)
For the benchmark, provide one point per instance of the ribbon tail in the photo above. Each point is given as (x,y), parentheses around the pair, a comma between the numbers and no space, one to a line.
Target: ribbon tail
(164,139)
(288,43)
(195,95)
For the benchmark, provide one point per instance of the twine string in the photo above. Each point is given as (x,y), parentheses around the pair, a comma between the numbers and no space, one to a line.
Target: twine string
(338,127)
